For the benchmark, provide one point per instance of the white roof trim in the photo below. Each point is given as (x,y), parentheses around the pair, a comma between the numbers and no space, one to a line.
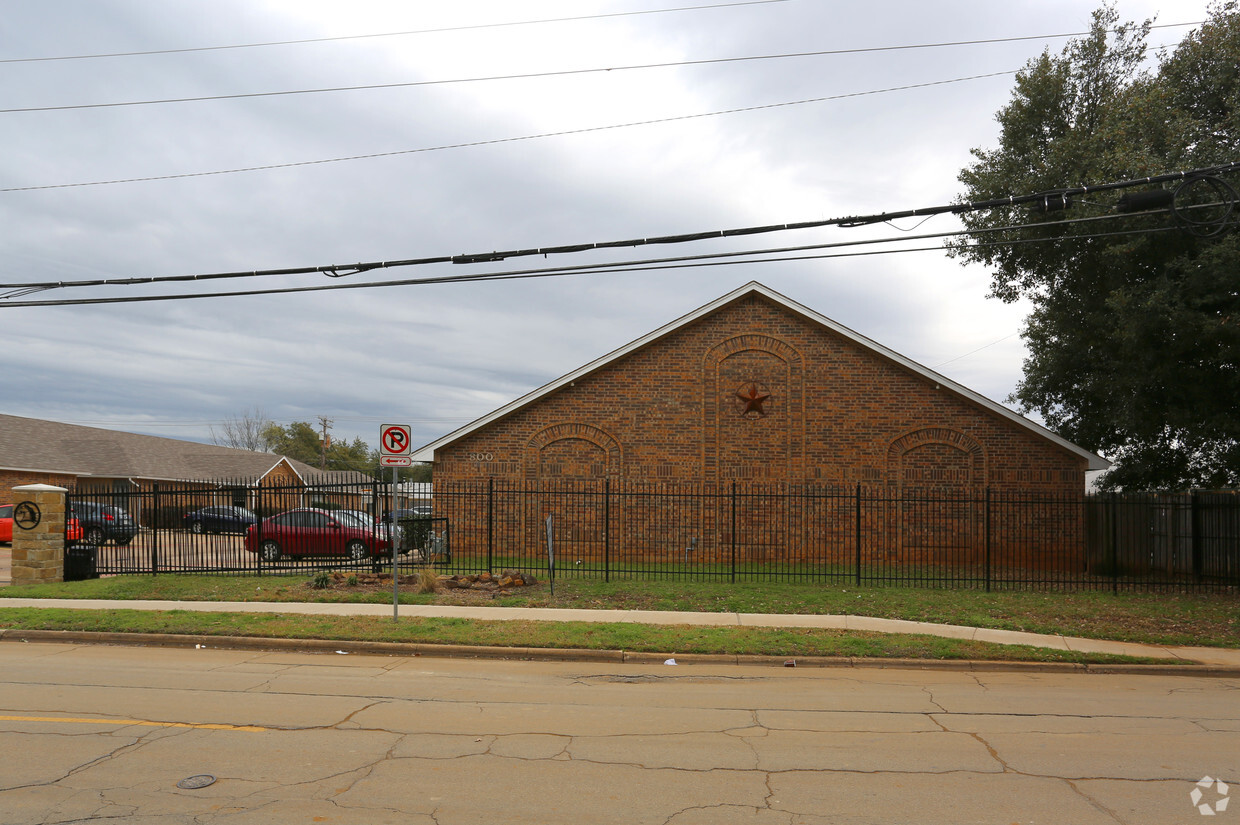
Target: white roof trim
(427,452)
(283,460)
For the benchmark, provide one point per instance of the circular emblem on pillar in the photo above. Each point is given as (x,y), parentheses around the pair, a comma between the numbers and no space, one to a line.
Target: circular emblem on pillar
(752,400)
(27,515)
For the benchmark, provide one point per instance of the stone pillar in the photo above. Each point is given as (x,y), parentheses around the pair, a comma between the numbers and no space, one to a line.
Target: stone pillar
(38,549)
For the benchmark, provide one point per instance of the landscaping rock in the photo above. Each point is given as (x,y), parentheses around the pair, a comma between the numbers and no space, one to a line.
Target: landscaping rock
(488,582)
(484,585)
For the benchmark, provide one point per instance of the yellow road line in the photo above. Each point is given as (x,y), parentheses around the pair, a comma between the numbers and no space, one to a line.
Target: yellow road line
(73,721)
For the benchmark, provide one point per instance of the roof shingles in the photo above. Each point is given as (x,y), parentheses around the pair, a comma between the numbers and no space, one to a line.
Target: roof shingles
(31,444)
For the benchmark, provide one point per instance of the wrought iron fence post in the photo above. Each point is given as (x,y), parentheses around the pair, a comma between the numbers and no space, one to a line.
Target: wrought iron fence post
(490,523)
(733,502)
(154,532)
(987,539)
(1114,542)
(857,526)
(259,511)
(607,529)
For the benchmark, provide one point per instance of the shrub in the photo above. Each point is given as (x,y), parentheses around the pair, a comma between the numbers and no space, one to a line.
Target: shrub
(426,580)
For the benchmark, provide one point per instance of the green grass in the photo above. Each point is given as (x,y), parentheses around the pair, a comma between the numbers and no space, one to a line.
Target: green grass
(1174,619)
(789,643)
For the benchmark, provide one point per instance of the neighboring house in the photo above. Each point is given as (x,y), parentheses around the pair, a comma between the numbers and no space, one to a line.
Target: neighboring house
(98,462)
(754,387)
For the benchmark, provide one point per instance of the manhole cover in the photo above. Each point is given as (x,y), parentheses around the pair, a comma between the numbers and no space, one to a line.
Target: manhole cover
(193,783)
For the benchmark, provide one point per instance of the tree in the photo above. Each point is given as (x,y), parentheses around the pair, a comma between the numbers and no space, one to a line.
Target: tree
(300,441)
(1134,334)
(245,431)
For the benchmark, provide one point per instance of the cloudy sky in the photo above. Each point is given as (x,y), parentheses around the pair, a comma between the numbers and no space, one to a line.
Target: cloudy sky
(488,126)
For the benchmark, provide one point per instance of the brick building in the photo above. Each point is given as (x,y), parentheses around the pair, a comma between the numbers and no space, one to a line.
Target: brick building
(756,389)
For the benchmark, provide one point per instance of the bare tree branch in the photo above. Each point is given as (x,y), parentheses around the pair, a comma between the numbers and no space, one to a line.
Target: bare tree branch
(246,431)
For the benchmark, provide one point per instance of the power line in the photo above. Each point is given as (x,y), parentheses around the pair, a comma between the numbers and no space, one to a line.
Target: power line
(697,261)
(1042,201)
(494,141)
(974,352)
(599,269)
(519,138)
(441,30)
(411,84)
(531,75)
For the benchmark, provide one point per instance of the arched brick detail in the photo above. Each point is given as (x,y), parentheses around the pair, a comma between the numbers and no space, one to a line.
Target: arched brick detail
(789,392)
(752,341)
(942,436)
(547,436)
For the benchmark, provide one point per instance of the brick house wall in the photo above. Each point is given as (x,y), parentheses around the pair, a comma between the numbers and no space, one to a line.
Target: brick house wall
(19,478)
(835,414)
(758,393)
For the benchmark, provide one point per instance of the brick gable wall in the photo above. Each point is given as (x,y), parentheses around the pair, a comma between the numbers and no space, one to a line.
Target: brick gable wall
(754,392)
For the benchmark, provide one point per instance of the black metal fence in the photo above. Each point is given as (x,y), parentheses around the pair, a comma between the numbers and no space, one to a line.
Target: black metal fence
(241,526)
(694,532)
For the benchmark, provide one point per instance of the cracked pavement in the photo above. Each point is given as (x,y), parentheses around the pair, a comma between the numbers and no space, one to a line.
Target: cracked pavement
(99,733)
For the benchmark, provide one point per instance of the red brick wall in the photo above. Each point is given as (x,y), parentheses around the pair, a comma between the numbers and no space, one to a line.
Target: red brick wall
(17,478)
(837,414)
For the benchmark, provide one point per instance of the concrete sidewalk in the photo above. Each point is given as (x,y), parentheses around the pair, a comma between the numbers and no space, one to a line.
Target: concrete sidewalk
(1223,657)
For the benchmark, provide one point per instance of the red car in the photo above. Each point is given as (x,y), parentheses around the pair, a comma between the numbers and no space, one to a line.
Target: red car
(72,534)
(310,532)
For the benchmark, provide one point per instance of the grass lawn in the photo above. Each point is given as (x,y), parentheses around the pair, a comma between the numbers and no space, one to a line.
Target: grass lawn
(1177,619)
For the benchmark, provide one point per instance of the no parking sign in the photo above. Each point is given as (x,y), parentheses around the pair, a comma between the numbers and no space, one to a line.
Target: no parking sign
(395,445)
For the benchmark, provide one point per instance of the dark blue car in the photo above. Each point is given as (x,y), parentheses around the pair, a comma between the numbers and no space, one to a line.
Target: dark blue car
(103,522)
(220,520)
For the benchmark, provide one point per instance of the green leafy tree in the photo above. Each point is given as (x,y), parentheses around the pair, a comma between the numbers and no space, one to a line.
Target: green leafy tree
(349,455)
(1134,333)
(299,441)
(418,472)
(302,442)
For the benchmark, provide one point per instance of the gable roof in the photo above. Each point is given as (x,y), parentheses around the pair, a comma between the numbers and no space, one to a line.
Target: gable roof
(35,445)
(1095,462)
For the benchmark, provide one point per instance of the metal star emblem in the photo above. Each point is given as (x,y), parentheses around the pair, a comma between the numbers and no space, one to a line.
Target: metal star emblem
(752,399)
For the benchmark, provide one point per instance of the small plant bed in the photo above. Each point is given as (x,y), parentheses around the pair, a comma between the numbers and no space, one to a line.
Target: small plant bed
(457,589)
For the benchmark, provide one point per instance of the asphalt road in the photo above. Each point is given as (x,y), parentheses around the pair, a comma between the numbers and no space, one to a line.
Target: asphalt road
(92,733)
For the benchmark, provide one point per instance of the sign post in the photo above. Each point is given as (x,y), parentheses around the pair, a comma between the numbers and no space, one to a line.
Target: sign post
(394,449)
(551,552)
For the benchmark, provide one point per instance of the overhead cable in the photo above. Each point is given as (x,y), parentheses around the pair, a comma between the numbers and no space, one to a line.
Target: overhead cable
(340,270)
(685,262)
(441,30)
(519,76)
(494,141)
(538,273)
(416,83)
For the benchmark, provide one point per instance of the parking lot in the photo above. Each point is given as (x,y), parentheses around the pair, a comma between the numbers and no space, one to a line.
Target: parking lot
(171,551)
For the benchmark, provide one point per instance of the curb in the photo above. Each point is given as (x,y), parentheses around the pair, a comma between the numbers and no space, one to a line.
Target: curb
(540,654)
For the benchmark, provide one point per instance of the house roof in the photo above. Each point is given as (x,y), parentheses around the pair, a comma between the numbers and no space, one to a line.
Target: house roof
(1095,462)
(35,445)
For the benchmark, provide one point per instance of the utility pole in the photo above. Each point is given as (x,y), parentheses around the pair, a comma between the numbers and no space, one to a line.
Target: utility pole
(325,442)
